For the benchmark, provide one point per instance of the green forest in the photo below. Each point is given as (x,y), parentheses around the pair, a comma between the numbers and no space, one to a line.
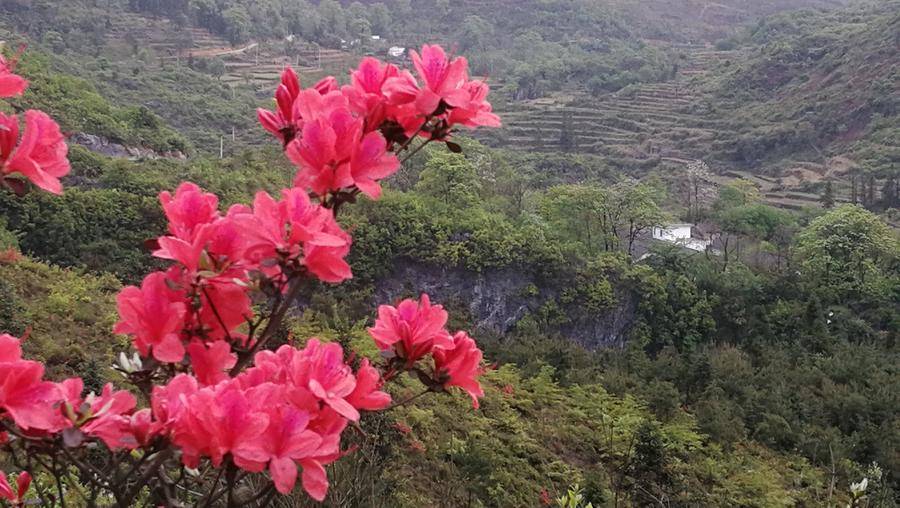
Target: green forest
(624,370)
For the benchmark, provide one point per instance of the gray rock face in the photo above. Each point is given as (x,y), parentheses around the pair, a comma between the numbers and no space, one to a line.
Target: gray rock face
(498,299)
(103,146)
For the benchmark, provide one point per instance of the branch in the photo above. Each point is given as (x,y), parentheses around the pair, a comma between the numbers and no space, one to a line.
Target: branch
(281,308)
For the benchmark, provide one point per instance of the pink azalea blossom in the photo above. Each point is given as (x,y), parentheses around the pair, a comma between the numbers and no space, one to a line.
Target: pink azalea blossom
(106,416)
(214,421)
(321,369)
(10,84)
(285,440)
(154,316)
(477,111)
(413,329)
(211,362)
(443,79)
(24,395)
(23,482)
(287,118)
(333,154)
(189,209)
(460,365)
(40,154)
(368,395)
(366,91)
(295,228)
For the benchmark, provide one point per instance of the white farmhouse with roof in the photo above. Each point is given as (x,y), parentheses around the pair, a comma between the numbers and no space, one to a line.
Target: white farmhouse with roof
(680,234)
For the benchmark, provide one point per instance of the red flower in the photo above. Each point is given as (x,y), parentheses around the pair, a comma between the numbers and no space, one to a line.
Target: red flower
(154,315)
(460,365)
(41,153)
(412,329)
(10,84)
(545,498)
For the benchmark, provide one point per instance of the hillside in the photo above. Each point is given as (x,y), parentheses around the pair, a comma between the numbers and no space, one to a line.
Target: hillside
(759,372)
(818,87)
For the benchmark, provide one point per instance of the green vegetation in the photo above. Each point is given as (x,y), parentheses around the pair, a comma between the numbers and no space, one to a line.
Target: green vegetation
(763,372)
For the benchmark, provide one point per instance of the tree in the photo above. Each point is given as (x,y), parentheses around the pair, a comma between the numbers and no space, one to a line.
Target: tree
(698,175)
(828,196)
(640,209)
(237,24)
(848,253)
(450,178)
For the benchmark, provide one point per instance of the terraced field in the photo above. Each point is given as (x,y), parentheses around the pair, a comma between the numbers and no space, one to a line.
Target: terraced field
(647,121)
(661,125)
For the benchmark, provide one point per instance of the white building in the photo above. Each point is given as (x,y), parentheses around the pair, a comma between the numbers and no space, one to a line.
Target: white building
(680,234)
(396,51)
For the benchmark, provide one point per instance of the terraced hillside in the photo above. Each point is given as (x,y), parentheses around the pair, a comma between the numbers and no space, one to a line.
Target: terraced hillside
(645,122)
(260,66)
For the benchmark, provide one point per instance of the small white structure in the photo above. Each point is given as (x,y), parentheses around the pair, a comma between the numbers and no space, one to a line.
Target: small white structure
(396,51)
(376,37)
(680,234)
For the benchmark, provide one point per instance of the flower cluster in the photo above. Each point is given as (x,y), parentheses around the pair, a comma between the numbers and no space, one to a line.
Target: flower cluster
(203,299)
(40,154)
(346,139)
(218,398)
(414,330)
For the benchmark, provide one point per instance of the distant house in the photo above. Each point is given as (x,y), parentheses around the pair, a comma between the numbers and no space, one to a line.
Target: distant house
(681,234)
(396,51)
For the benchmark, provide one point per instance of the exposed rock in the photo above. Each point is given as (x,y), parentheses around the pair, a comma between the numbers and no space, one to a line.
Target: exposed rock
(498,299)
(104,146)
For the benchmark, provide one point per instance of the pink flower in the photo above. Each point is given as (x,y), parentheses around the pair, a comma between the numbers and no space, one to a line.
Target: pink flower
(142,427)
(366,91)
(106,416)
(41,153)
(321,369)
(327,263)
(214,421)
(460,365)
(296,228)
(332,154)
(109,417)
(476,112)
(285,441)
(24,395)
(368,395)
(412,329)
(23,482)
(443,81)
(211,362)
(224,307)
(189,209)
(154,315)
(10,84)
(287,119)
(169,402)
